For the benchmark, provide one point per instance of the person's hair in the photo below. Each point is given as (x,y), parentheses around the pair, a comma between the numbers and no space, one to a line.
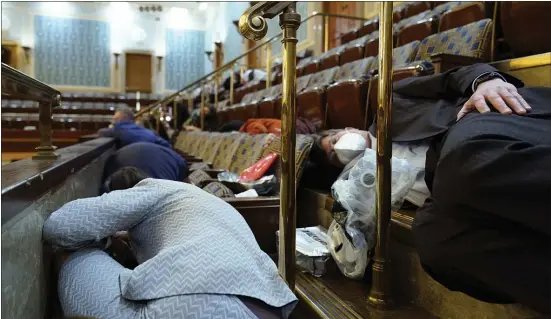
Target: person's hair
(231,126)
(125,178)
(126,113)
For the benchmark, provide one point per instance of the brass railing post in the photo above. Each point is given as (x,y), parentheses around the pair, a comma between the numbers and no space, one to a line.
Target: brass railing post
(46,150)
(380,294)
(202,110)
(253,26)
(232,79)
(158,120)
(289,22)
(268,65)
(216,85)
(325,33)
(175,114)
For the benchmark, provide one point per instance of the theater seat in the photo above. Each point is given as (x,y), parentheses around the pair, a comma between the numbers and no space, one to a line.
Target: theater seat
(349,36)
(307,66)
(461,15)
(416,28)
(355,50)
(272,93)
(526,26)
(369,26)
(266,107)
(466,44)
(311,102)
(414,8)
(238,111)
(302,150)
(222,159)
(331,58)
(346,97)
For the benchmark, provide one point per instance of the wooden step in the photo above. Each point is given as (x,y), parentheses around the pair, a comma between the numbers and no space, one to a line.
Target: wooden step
(334,296)
(411,285)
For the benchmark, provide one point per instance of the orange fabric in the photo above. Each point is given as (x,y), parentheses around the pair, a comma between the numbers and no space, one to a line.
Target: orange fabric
(262,126)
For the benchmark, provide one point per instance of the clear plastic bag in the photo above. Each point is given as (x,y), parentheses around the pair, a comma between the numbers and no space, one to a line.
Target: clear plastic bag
(352,241)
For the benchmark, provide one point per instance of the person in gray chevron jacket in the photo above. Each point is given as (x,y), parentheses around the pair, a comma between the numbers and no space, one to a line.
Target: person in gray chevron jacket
(197,257)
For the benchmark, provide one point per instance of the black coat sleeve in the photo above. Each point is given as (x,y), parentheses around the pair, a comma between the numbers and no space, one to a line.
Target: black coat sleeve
(426,106)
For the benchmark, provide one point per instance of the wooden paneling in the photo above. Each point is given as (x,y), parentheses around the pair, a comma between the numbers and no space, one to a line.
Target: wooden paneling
(338,26)
(10,54)
(138,72)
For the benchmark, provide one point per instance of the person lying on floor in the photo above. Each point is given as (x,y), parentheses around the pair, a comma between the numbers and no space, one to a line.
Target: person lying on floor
(126,131)
(185,242)
(485,141)
(156,161)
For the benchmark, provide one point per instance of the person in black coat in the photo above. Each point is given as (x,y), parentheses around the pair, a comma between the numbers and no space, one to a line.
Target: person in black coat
(485,230)
(154,160)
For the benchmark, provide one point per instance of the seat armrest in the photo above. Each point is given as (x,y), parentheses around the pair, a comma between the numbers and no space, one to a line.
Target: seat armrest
(358,81)
(444,61)
(318,89)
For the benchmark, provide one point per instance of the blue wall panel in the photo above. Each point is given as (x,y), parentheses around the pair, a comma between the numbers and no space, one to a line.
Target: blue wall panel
(233,44)
(185,57)
(72,52)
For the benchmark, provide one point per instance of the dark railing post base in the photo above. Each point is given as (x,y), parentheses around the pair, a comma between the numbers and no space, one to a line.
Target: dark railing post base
(46,150)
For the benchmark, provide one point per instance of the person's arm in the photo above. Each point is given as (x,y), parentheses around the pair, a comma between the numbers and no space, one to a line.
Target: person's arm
(106,132)
(85,222)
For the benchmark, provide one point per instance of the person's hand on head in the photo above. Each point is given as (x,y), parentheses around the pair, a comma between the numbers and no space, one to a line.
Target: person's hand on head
(503,96)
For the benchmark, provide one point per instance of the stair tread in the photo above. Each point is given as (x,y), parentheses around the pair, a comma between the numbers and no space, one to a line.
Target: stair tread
(335,296)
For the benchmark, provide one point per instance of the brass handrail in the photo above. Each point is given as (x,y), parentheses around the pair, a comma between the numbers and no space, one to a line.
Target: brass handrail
(230,65)
(380,292)
(16,84)
(253,26)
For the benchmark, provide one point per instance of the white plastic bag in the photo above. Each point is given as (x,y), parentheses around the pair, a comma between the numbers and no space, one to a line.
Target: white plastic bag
(357,196)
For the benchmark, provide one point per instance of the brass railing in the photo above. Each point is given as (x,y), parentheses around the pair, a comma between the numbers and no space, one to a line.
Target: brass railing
(21,86)
(253,25)
(231,65)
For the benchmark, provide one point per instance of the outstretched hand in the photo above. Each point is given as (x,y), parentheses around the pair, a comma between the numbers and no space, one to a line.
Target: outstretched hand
(503,96)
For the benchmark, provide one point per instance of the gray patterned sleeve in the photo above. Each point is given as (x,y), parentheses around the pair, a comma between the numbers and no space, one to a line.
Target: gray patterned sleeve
(86,221)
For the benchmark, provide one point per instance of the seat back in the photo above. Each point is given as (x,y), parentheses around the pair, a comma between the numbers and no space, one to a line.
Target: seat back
(322,78)
(461,15)
(349,36)
(211,147)
(355,50)
(416,28)
(405,54)
(472,40)
(354,70)
(198,143)
(369,26)
(448,5)
(303,63)
(248,152)
(251,97)
(414,8)
(303,82)
(331,58)
(302,150)
(226,150)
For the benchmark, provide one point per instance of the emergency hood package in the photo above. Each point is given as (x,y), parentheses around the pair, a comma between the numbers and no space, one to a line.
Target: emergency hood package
(352,235)
(311,249)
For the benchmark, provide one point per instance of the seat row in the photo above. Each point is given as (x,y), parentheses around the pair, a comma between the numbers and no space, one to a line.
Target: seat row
(336,97)
(213,153)
(65,105)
